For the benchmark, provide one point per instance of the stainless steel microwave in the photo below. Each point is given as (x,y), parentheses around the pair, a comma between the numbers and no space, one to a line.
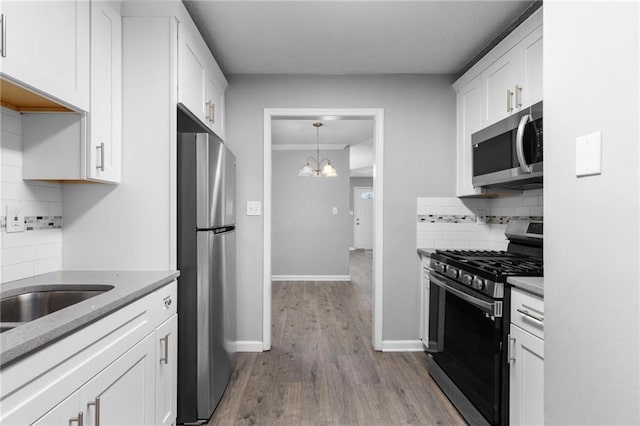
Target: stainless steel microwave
(508,154)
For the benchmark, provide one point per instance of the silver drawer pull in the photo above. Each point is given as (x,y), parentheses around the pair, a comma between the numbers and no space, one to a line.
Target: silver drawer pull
(96,403)
(3,22)
(528,314)
(167,302)
(165,358)
(78,420)
(510,351)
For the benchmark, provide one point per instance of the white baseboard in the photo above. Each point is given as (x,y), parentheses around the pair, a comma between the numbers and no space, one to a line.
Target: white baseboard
(249,346)
(402,346)
(311,278)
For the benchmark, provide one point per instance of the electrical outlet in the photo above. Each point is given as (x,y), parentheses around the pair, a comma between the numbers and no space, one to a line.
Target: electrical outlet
(15,219)
(254,208)
(334,210)
(481,217)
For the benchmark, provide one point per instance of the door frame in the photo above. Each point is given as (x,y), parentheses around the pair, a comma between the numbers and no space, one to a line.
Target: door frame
(375,114)
(355,211)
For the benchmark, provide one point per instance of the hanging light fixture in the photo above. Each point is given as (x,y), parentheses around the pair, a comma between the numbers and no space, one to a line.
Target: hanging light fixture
(319,171)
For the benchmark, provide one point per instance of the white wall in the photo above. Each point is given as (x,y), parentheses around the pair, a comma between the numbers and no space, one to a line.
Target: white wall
(132,226)
(37,250)
(592,328)
(419,114)
(307,238)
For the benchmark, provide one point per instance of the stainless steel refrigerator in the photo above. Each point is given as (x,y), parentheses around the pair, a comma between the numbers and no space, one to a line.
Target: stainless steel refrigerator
(206,260)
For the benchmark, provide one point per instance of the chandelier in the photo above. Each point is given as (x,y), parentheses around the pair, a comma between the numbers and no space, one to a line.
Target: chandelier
(318,170)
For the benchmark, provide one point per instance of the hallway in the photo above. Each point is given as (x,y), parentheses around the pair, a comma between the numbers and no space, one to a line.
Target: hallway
(322,370)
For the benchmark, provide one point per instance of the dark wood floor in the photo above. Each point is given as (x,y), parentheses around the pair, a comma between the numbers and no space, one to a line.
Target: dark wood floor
(322,369)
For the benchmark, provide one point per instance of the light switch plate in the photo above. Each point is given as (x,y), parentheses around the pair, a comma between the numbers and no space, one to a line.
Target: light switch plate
(481,217)
(254,208)
(589,154)
(334,210)
(15,219)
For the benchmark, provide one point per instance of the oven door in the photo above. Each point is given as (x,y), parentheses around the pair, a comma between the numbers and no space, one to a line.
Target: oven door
(468,347)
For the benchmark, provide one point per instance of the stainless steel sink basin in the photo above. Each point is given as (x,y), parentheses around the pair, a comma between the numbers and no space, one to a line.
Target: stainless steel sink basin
(25,307)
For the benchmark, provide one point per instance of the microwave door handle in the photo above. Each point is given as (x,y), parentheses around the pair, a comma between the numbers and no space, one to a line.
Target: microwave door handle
(520,144)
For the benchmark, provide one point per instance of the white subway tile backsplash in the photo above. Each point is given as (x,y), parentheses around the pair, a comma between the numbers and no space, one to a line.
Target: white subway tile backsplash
(17,271)
(39,248)
(450,223)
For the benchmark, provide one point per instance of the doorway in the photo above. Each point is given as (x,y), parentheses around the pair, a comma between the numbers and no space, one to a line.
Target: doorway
(363,218)
(377,116)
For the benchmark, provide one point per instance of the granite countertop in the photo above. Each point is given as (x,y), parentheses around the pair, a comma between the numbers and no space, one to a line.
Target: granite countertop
(31,336)
(534,285)
(426,251)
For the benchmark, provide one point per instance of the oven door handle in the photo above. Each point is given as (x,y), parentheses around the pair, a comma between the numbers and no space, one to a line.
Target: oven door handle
(520,144)
(494,309)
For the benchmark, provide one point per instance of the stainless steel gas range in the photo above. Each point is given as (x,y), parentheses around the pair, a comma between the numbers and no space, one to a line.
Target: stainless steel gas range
(469,321)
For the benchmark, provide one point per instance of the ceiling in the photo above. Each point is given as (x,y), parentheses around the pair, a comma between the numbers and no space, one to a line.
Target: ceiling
(350,37)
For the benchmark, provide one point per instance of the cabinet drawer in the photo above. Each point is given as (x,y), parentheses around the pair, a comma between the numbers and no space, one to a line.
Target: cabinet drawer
(527,312)
(165,302)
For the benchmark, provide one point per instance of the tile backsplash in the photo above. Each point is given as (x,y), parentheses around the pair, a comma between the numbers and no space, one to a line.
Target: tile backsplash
(452,223)
(38,249)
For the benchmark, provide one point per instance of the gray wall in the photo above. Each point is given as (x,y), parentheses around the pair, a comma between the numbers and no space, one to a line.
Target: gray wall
(419,114)
(307,238)
(592,330)
(353,183)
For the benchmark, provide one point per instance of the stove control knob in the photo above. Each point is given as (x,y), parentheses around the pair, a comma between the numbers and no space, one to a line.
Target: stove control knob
(478,283)
(452,272)
(440,267)
(467,279)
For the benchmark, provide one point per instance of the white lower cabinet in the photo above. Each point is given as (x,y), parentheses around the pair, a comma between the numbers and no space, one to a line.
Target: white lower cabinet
(526,363)
(424,303)
(120,370)
(166,372)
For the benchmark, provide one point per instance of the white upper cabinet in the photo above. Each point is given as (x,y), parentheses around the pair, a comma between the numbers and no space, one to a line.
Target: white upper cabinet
(505,81)
(79,146)
(531,54)
(45,46)
(105,118)
(469,101)
(201,84)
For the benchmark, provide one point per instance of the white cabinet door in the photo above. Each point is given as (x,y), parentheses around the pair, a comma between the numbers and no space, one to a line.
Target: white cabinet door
(47,48)
(192,76)
(215,107)
(424,303)
(526,394)
(531,78)
(469,121)
(105,118)
(499,81)
(123,393)
(68,412)
(166,372)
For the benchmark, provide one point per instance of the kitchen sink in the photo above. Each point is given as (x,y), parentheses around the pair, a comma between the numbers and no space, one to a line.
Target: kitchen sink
(25,307)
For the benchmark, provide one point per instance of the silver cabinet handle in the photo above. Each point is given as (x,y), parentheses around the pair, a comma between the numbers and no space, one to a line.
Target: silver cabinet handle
(520,144)
(518,96)
(510,351)
(78,419)
(528,314)
(167,302)
(213,113)
(3,23)
(208,116)
(165,359)
(96,403)
(509,99)
(101,148)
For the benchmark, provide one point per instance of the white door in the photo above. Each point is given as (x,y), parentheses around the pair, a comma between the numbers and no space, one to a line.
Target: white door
(363,218)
